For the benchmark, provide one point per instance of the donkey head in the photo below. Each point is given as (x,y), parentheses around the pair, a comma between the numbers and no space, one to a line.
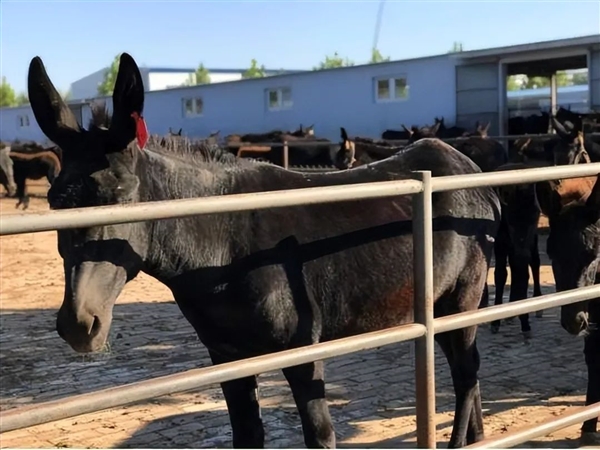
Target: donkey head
(573,209)
(99,168)
(570,148)
(346,155)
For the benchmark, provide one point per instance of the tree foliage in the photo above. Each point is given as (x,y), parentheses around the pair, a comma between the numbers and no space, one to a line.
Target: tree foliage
(7,94)
(9,98)
(456,47)
(200,76)
(332,62)
(254,71)
(539,82)
(513,83)
(107,85)
(377,57)
(22,99)
(580,78)
(517,82)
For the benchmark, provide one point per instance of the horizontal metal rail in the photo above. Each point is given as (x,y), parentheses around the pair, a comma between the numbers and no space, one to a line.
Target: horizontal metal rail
(196,378)
(310,143)
(278,144)
(518,437)
(508,177)
(525,306)
(170,209)
(37,414)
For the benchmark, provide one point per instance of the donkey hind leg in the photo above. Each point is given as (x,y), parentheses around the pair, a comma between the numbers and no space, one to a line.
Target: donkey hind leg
(307,383)
(589,433)
(242,397)
(21,182)
(460,348)
(535,272)
(519,286)
(500,276)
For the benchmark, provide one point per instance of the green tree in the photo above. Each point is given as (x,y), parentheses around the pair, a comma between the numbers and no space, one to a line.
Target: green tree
(7,94)
(512,83)
(202,76)
(107,85)
(254,71)
(580,78)
(538,82)
(334,61)
(456,47)
(377,57)
(22,99)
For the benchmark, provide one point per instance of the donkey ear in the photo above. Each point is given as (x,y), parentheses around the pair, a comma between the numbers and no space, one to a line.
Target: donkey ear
(53,116)
(344,134)
(435,128)
(128,98)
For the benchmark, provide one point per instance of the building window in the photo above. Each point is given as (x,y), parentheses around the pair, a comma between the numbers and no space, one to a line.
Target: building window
(391,89)
(193,107)
(23,121)
(279,98)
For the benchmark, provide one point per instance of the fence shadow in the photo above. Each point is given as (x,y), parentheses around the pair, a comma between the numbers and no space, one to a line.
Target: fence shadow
(210,429)
(154,339)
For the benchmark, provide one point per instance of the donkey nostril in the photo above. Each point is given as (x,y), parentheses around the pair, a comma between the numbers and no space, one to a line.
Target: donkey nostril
(94,326)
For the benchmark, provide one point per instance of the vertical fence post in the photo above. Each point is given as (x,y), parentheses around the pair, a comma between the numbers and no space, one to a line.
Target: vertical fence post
(286,155)
(423,306)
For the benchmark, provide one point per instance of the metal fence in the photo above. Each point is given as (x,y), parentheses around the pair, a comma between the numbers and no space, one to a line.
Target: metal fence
(423,330)
(265,147)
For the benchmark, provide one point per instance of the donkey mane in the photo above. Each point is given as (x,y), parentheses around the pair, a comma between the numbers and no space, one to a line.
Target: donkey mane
(192,151)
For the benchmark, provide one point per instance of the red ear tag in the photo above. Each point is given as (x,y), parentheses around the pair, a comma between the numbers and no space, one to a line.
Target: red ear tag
(141,131)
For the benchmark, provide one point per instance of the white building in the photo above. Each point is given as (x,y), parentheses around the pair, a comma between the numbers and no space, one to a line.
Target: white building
(159,78)
(463,87)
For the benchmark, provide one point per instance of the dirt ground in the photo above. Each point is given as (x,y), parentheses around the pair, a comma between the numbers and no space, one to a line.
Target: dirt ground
(371,393)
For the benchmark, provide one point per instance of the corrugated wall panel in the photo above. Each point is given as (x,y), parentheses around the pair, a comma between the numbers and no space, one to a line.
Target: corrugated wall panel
(477,95)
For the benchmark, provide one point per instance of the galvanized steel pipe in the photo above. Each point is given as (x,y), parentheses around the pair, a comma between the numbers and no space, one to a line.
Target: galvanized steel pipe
(518,437)
(423,310)
(519,176)
(36,414)
(170,209)
(498,312)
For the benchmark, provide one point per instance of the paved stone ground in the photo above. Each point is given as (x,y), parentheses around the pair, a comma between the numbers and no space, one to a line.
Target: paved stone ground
(371,393)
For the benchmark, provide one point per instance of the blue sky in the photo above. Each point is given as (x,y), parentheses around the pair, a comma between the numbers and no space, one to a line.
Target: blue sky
(76,38)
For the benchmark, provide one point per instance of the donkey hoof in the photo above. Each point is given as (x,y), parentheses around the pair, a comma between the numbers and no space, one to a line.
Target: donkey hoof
(589,439)
(539,313)
(527,336)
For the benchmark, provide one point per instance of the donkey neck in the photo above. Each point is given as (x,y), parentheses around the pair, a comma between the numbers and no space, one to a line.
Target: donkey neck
(179,246)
